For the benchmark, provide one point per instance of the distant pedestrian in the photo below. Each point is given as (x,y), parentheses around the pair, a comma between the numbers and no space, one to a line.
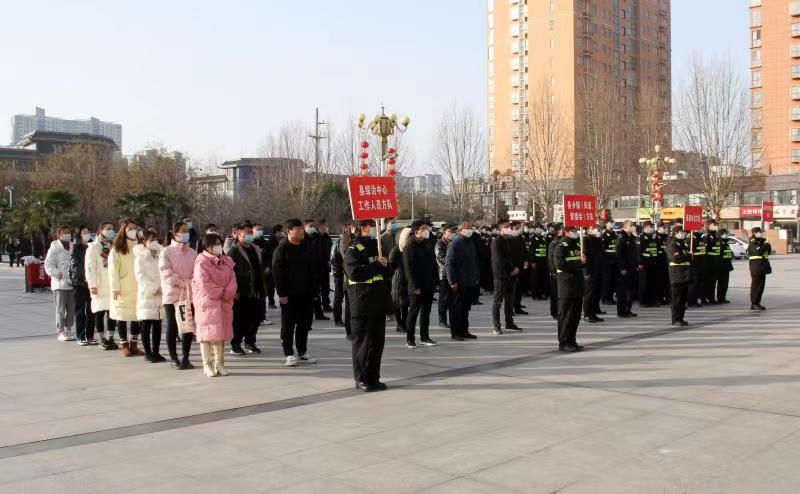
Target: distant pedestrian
(84,319)
(56,265)
(679,257)
(464,274)
(758,252)
(419,263)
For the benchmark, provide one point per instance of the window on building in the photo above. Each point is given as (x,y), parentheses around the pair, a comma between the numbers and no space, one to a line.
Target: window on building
(756,38)
(794,7)
(515,80)
(784,197)
(515,148)
(795,113)
(491,53)
(755,159)
(515,63)
(515,114)
(697,200)
(515,96)
(755,17)
(514,30)
(796,71)
(490,5)
(755,117)
(755,58)
(756,77)
(755,99)
(751,198)
(795,134)
(795,155)
(757,139)
(755,3)
(491,85)
(515,46)
(552,24)
(796,29)
(491,69)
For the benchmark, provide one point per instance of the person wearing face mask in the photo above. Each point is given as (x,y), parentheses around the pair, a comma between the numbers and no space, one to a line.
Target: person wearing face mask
(260,241)
(516,251)
(324,276)
(697,284)
(484,250)
(319,259)
(725,268)
(539,278)
(463,273)
(268,252)
(663,289)
(506,273)
(445,293)
(149,307)
(679,257)
(176,266)
(419,264)
(627,264)
(250,290)
(337,269)
(96,272)
(398,280)
(297,285)
(648,266)
(551,267)
(124,291)
(569,268)
(56,265)
(610,268)
(592,274)
(84,319)
(214,288)
(388,237)
(713,260)
(366,285)
(194,238)
(758,251)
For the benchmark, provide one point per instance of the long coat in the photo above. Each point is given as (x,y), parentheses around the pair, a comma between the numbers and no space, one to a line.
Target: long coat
(56,265)
(122,279)
(96,266)
(177,265)
(148,297)
(212,283)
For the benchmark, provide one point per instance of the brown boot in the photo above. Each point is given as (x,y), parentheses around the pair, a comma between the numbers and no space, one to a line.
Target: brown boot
(135,350)
(124,348)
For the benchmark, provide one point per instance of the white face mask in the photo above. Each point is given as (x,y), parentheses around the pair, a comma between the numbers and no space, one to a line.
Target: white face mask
(661,231)
(574,235)
(597,233)
(758,235)
(131,234)
(680,236)
(152,245)
(713,228)
(426,234)
(610,226)
(216,250)
(648,230)
(467,232)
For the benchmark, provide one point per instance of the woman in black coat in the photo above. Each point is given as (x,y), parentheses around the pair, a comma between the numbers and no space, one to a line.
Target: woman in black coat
(399,281)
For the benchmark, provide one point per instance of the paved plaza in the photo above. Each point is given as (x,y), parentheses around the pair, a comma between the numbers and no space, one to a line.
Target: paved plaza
(713,408)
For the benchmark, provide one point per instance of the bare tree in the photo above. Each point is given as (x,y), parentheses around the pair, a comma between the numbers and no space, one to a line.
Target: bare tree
(460,154)
(712,124)
(546,153)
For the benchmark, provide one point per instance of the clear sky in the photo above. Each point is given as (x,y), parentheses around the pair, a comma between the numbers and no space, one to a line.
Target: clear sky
(210,78)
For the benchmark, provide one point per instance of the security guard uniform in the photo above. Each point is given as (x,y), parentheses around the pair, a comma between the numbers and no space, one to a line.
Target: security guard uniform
(369,295)
(713,266)
(551,265)
(725,268)
(609,266)
(698,270)
(627,259)
(663,290)
(569,271)
(648,269)
(758,253)
(540,279)
(679,276)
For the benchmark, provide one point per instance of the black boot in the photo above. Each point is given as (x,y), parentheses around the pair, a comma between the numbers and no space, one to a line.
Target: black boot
(186,346)
(155,345)
(148,354)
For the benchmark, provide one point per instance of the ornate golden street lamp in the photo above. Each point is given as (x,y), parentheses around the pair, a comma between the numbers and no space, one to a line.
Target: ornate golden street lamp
(384,126)
(656,166)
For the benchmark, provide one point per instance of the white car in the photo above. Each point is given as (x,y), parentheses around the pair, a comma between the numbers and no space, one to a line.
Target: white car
(738,247)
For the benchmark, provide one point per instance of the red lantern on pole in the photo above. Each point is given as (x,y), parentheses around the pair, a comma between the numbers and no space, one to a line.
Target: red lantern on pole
(391,161)
(364,144)
(364,156)
(391,150)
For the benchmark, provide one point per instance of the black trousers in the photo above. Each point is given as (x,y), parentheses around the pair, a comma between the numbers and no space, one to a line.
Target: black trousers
(348,321)
(625,292)
(459,313)
(539,279)
(504,291)
(722,284)
(338,298)
(664,288)
(122,329)
(553,296)
(246,318)
(677,301)
(420,308)
(100,323)
(591,297)
(569,317)
(609,278)
(367,304)
(270,285)
(84,320)
(648,285)
(325,289)
(696,284)
(445,300)
(296,320)
(710,282)
(521,287)
(757,284)
(172,335)
(151,337)
(401,317)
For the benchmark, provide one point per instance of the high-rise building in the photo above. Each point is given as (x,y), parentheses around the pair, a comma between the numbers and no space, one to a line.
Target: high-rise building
(566,50)
(775,86)
(22,125)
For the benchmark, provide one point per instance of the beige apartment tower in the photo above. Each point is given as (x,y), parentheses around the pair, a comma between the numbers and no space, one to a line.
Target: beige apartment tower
(775,86)
(564,48)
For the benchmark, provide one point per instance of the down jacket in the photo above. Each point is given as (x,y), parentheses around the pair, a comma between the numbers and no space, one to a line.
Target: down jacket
(97,275)
(122,278)
(56,265)
(213,288)
(148,281)
(176,264)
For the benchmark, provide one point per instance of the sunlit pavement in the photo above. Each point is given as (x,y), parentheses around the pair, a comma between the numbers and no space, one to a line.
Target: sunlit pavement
(711,408)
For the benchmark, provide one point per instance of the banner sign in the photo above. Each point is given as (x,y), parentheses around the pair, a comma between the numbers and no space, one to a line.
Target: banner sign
(750,211)
(580,210)
(372,197)
(693,218)
(767,212)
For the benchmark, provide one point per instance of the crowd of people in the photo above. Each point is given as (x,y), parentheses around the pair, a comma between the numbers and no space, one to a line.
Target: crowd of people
(121,283)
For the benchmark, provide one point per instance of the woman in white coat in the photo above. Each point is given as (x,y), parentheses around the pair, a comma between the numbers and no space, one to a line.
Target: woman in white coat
(149,310)
(56,265)
(99,289)
(122,281)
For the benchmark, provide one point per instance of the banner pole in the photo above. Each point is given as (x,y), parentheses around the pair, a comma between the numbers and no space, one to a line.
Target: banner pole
(378,238)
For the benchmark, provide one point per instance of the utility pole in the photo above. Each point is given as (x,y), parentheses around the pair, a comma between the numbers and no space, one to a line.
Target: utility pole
(317,137)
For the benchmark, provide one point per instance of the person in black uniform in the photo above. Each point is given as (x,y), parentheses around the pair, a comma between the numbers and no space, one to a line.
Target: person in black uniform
(366,286)
(663,290)
(569,267)
(419,264)
(626,263)
(758,253)
(713,262)
(337,268)
(523,279)
(551,265)
(648,266)
(261,242)
(592,274)
(485,258)
(698,271)
(505,277)
(539,278)
(610,271)
(678,256)
(725,268)
(516,253)
(318,257)
(445,293)
(325,248)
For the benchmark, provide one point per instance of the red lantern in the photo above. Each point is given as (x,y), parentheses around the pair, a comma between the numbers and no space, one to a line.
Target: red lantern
(391,150)
(364,166)
(364,144)
(364,156)
(391,161)
(391,172)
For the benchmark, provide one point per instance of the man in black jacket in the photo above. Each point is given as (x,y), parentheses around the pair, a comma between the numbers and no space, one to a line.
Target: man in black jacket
(319,260)
(626,263)
(272,244)
(505,278)
(648,266)
(249,289)
(337,269)
(295,283)
(725,268)
(516,250)
(679,259)
(260,241)
(445,293)
(555,240)
(610,268)
(419,263)
(325,248)
(569,268)
(463,273)
(593,274)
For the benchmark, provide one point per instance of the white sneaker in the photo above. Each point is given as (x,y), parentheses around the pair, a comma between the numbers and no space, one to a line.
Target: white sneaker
(83,342)
(62,337)
(70,336)
(267,322)
(291,361)
(411,345)
(307,359)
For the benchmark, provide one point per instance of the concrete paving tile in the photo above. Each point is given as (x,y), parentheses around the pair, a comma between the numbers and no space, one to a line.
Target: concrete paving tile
(394,476)
(465,486)
(331,459)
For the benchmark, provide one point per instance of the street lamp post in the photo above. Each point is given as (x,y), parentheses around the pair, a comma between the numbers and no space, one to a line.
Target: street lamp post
(384,126)
(656,166)
(10,189)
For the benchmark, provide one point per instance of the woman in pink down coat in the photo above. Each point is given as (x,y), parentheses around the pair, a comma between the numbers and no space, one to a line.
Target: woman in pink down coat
(213,288)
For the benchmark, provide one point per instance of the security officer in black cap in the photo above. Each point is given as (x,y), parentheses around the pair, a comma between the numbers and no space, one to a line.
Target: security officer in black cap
(366,287)
(679,258)
(758,252)
(569,268)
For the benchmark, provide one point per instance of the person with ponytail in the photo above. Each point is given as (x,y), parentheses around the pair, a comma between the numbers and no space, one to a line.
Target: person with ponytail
(124,290)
